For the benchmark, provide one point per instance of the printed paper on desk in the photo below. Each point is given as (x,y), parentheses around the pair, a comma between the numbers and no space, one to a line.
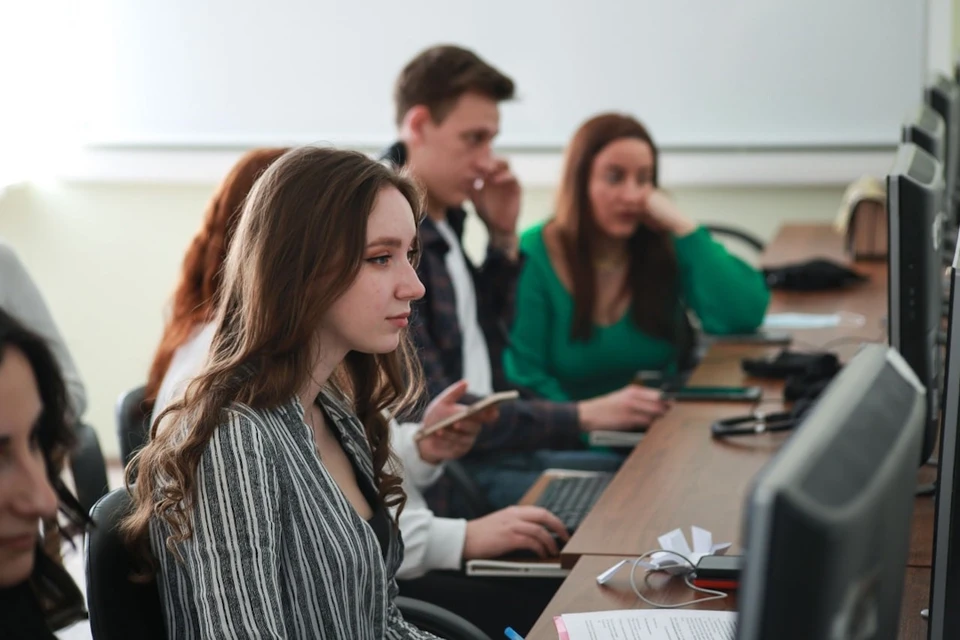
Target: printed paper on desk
(647,624)
(675,541)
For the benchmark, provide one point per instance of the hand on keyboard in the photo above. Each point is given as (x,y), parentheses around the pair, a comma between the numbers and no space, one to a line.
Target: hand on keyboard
(572,498)
(512,529)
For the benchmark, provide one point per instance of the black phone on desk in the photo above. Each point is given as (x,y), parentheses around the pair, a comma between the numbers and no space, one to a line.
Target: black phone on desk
(780,338)
(717,572)
(712,394)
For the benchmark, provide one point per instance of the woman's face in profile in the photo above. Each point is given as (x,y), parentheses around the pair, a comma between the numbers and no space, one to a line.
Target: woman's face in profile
(25,493)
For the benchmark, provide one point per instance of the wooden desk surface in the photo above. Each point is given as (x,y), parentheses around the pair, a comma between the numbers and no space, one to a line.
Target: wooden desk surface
(679,476)
(580,592)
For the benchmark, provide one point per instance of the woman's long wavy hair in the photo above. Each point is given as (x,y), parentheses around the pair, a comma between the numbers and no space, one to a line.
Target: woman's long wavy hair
(298,247)
(652,271)
(195,297)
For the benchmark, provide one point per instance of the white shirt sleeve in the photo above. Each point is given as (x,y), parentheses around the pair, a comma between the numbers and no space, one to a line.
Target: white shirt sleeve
(420,474)
(186,363)
(20,297)
(429,542)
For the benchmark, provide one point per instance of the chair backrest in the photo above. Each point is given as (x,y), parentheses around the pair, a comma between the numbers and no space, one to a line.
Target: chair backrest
(438,621)
(740,243)
(119,607)
(88,467)
(133,423)
(722,230)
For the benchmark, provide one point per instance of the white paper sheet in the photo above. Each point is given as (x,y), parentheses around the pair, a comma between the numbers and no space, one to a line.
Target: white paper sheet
(648,624)
(675,541)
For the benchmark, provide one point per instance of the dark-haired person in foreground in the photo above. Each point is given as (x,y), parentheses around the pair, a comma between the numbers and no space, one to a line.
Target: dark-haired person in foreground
(37,595)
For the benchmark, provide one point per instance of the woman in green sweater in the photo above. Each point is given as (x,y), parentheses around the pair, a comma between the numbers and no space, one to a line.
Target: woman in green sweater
(607,281)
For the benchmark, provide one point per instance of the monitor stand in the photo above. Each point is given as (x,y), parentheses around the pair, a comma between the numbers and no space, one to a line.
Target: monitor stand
(929,488)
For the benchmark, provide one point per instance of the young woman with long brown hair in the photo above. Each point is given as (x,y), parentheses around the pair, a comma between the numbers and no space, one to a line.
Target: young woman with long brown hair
(265,498)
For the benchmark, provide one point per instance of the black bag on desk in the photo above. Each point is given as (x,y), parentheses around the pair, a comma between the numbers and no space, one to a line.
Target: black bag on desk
(792,363)
(813,275)
(806,374)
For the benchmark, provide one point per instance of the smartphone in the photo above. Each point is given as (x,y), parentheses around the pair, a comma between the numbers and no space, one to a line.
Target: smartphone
(760,337)
(718,572)
(476,407)
(713,394)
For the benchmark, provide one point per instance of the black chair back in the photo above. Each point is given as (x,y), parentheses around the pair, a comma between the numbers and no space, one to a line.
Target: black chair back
(119,607)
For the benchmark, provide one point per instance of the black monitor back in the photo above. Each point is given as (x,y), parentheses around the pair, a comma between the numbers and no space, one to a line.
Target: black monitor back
(943,96)
(927,129)
(945,582)
(828,519)
(914,194)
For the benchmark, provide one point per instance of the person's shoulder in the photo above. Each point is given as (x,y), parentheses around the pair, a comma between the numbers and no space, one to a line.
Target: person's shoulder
(248,429)
(532,237)
(8,257)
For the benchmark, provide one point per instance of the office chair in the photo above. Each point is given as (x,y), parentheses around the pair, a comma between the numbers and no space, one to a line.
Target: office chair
(121,608)
(437,620)
(722,230)
(133,423)
(88,467)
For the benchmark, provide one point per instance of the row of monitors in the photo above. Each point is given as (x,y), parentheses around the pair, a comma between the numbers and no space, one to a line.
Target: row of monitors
(827,528)
(935,128)
(922,208)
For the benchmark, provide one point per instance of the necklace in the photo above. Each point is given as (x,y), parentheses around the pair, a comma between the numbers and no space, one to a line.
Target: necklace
(610,264)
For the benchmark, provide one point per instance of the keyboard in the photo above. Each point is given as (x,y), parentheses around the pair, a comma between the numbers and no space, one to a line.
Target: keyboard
(571,498)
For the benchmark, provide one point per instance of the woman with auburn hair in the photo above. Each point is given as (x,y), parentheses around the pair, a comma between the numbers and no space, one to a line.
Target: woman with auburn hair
(608,281)
(196,294)
(265,499)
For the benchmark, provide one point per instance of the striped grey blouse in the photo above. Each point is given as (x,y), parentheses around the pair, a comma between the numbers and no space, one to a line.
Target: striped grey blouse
(277,550)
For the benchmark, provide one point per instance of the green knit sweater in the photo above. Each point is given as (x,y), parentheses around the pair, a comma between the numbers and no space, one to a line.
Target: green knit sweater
(727,295)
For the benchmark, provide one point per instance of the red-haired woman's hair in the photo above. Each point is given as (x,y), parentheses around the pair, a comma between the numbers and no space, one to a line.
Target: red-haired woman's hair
(195,297)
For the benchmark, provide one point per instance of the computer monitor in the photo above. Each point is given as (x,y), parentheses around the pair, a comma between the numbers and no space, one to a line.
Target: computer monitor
(927,129)
(914,192)
(943,96)
(944,618)
(827,532)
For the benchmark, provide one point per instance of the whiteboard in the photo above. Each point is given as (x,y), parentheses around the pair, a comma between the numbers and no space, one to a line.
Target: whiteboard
(704,74)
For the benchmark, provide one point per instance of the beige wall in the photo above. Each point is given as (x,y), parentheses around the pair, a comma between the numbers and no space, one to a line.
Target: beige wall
(107,255)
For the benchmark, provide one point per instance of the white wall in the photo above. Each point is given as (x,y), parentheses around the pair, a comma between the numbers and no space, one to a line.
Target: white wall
(107,256)
(107,253)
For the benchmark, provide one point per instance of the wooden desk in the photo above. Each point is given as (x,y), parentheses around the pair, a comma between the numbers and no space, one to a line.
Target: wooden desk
(580,592)
(679,476)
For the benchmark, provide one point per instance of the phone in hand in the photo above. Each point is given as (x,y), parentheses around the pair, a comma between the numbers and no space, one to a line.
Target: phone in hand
(476,407)
(712,394)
